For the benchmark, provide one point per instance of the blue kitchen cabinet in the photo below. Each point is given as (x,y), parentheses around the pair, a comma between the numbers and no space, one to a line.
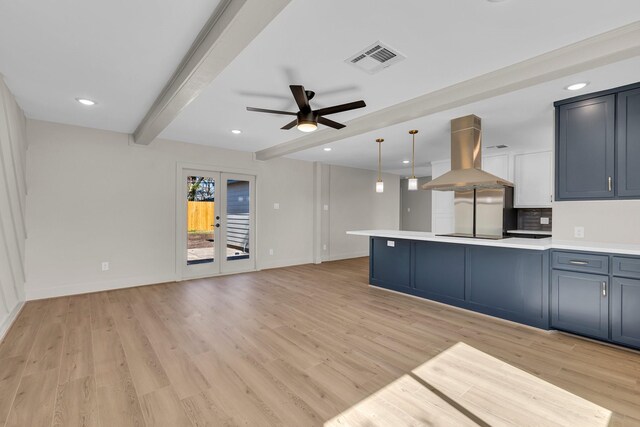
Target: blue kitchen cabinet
(503,282)
(628,144)
(439,271)
(390,263)
(585,149)
(625,300)
(509,283)
(625,311)
(580,303)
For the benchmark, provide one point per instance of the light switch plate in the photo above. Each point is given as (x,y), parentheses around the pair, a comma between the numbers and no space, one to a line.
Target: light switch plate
(276,206)
(578,232)
(391,243)
(326,207)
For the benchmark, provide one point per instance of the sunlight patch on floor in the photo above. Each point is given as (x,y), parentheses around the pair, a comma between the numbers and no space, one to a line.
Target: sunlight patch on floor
(464,386)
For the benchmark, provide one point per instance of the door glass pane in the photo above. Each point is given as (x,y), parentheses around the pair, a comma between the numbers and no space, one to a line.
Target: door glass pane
(238,219)
(201,219)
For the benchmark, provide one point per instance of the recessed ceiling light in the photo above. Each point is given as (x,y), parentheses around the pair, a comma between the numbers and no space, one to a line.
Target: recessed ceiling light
(406,162)
(577,86)
(85,101)
(327,148)
(236,131)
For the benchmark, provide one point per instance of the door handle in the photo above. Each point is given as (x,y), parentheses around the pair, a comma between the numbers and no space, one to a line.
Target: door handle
(610,181)
(604,289)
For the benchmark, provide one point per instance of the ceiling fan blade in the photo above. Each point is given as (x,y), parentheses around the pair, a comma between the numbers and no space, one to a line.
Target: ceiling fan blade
(264,110)
(289,125)
(330,123)
(300,96)
(340,108)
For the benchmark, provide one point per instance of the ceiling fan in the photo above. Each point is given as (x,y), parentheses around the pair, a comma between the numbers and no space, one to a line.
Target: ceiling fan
(307,119)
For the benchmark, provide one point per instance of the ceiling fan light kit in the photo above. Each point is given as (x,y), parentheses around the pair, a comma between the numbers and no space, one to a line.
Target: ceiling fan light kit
(379,183)
(413,181)
(307,119)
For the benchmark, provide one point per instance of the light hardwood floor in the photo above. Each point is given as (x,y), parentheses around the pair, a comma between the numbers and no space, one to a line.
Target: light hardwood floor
(295,346)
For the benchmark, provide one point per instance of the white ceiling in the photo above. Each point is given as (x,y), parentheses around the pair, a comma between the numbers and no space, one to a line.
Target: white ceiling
(523,120)
(445,42)
(119,53)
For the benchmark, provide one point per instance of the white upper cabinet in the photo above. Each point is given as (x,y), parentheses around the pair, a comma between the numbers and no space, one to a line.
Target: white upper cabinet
(533,180)
(497,165)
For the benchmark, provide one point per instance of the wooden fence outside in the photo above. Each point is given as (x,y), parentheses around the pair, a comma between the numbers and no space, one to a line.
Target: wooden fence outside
(200,216)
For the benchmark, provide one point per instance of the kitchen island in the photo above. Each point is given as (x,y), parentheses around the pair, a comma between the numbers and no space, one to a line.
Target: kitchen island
(504,278)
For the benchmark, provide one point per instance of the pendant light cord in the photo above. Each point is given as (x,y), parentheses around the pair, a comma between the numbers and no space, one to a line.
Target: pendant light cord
(379,160)
(413,153)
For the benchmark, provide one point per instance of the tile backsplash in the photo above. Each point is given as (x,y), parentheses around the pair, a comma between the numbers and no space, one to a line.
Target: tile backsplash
(529,219)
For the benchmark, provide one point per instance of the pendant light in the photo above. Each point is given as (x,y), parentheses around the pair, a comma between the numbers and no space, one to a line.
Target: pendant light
(379,183)
(413,181)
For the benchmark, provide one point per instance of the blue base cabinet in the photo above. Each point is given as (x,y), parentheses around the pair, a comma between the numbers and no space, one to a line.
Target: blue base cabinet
(392,266)
(625,311)
(509,283)
(439,271)
(579,303)
(596,295)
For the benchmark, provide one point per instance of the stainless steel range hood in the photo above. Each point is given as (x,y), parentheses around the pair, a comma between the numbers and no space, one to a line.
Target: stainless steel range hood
(466,160)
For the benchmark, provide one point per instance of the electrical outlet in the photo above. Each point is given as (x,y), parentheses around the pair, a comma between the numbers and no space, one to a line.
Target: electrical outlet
(105,266)
(276,206)
(544,220)
(324,247)
(270,251)
(578,232)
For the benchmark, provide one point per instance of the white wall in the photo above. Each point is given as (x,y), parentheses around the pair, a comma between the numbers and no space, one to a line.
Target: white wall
(603,221)
(94,197)
(13,147)
(354,205)
(415,206)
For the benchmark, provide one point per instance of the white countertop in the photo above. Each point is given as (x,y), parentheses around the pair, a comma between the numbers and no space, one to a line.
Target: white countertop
(511,242)
(610,248)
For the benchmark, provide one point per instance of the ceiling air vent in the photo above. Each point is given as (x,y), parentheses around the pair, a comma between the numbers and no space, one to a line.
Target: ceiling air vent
(374,58)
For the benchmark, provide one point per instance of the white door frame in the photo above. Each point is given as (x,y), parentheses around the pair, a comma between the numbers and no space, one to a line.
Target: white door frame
(181,272)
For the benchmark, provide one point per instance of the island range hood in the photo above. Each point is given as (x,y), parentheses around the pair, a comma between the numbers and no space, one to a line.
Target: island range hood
(483,203)
(466,160)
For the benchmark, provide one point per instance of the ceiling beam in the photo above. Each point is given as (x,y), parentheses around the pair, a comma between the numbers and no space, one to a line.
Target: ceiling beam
(233,25)
(613,46)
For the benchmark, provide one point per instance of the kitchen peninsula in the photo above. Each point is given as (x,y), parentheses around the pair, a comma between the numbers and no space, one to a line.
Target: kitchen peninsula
(506,278)
(587,289)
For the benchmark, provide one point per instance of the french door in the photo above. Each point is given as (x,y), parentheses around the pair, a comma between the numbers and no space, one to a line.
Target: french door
(216,223)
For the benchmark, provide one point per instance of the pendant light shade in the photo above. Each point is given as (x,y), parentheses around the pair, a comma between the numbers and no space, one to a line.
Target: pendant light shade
(379,183)
(413,181)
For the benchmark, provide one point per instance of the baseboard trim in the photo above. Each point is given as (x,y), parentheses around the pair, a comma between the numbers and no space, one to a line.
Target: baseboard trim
(337,257)
(4,327)
(129,282)
(87,288)
(285,263)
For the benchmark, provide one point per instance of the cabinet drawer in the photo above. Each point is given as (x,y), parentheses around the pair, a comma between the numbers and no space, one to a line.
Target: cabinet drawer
(576,261)
(626,267)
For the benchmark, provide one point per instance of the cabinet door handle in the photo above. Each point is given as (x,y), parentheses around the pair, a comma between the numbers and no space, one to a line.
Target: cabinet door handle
(604,289)
(576,262)
(610,184)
